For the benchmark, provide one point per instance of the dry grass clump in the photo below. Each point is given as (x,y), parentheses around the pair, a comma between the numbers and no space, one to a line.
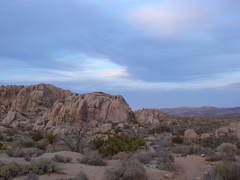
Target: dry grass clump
(63,159)
(125,170)
(93,159)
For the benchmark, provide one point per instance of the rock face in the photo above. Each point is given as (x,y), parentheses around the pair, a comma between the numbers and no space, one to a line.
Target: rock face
(149,116)
(49,106)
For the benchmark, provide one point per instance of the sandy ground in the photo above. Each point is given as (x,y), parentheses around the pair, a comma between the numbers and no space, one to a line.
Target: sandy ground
(190,167)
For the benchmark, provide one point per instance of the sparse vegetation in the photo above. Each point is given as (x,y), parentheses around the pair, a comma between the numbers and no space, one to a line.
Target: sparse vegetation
(117,143)
(224,171)
(37,135)
(80,176)
(165,161)
(63,159)
(126,169)
(145,157)
(93,159)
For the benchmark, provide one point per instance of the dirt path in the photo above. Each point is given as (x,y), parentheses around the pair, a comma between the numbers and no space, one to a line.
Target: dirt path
(191,167)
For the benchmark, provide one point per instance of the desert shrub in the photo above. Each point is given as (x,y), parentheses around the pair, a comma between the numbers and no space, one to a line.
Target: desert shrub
(165,161)
(119,143)
(228,148)
(163,141)
(154,131)
(50,137)
(80,176)
(145,157)
(63,159)
(165,128)
(8,171)
(181,149)
(214,157)
(177,139)
(160,129)
(93,159)
(213,142)
(37,136)
(27,157)
(3,146)
(14,151)
(43,166)
(1,137)
(118,130)
(32,176)
(238,145)
(125,170)
(28,144)
(224,171)
(97,143)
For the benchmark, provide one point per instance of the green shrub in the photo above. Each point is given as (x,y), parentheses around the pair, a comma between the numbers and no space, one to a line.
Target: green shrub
(238,145)
(50,137)
(177,139)
(121,143)
(154,131)
(93,159)
(3,146)
(127,169)
(37,136)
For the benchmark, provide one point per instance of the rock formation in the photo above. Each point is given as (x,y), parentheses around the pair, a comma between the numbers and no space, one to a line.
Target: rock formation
(48,106)
(150,116)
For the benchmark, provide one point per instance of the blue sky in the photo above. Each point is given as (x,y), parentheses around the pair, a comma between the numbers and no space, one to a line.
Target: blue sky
(165,53)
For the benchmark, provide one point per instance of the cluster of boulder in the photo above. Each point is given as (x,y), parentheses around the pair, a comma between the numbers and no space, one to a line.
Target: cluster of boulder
(45,106)
(232,129)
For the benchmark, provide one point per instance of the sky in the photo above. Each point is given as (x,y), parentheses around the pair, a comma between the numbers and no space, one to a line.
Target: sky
(155,53)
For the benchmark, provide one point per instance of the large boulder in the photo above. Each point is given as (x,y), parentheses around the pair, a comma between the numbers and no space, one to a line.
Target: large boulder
(190,134)
(149,116)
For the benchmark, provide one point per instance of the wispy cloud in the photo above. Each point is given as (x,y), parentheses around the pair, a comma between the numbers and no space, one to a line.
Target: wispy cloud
(173,18)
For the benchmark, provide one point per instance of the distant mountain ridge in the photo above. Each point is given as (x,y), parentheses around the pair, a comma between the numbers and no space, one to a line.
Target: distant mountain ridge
(204,111)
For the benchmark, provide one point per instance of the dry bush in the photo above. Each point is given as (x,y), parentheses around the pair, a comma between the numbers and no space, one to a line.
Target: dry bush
(93,159)
(163,141)
(145,157)
(228,148)
(63,159)
(181,149)
(80,176)
(43,166)
(224,171)
(165,161)
(127,169)
(32,176)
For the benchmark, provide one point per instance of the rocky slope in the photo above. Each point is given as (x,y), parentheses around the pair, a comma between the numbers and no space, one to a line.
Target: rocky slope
(46,106)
